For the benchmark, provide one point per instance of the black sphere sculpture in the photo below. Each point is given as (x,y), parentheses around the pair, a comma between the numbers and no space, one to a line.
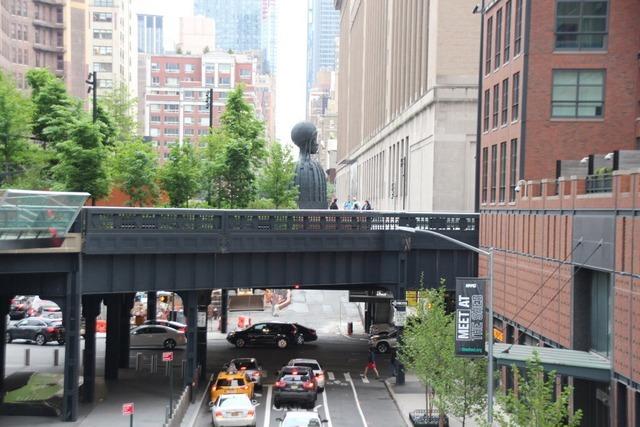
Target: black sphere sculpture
(310,178)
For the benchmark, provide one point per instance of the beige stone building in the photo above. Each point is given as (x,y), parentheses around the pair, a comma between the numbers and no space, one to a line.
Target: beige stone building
(45,33)
(196,34)
(407,96)
(112,47)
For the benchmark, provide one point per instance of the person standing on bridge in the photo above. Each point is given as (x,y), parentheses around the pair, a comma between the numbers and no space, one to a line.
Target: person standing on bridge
(334,204)
(371,364)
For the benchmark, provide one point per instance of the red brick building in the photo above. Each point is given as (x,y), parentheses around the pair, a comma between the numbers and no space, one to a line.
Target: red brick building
(175,95)
(560,188)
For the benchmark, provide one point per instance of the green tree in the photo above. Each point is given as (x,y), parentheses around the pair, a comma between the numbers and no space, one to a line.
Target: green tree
(454,385)
(119,107)
(275,182)
(534,404)
(15,129)
(82,160)
(134,170)
(180,176)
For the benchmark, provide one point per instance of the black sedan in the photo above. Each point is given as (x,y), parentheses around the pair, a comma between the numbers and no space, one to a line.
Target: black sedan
(269,333)
(305,334)
(39,330)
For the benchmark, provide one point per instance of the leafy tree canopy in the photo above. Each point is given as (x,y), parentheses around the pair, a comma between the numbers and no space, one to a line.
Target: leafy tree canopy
(276,178)
(180,176)
(134,169)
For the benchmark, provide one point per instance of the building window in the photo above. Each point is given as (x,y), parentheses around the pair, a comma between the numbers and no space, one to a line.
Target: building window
(224,68)
(487,68)
(513,167)
(209,68)
(578,93)
(188,94)
(204,121)
(155,81)
(102,17)
(485,173)
(188,120)
(103,3)
(498,38)
(59,15)
(154,132)
(188,131)
(103,50)
(171,81)
(507,31)
(155,119)
(155,66)
(487,104)
(515,98)
(188,108)
(503,171)
(189,68)
(172,68)
(59,62)
(154,107)
(224,81)
(172,120)
(517,42)
(494,166)
(245,73)
(581,24)
(209,81)
(171,132)
(496,104)
(104,67)
(102,34)
(105,83)
(505,102)
(172,108)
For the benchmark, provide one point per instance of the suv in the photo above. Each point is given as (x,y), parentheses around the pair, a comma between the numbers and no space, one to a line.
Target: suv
(384,342)
(295,384)
(268,333)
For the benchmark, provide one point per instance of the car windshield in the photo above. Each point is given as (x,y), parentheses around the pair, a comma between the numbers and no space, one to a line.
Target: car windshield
(236,382)
(245,364)
(313,366)
(233,402)
(295,378)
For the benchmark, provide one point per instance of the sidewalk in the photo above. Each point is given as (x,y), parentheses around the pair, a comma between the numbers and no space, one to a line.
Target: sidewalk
(411,396)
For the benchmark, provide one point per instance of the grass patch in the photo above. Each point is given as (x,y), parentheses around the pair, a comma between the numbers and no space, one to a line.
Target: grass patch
(39,387)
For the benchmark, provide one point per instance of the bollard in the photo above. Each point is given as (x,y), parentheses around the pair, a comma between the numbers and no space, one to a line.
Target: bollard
(166,414)
(153,367)
(56,357)
(166,369)
(27,357)
(184,367)
(139,361)
(350,328)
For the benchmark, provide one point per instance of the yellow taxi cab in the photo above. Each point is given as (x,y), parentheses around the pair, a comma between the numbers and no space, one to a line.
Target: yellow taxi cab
(232,383)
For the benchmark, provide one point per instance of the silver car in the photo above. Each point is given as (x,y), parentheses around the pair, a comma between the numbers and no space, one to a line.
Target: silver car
(157,336)
(315,367)
(248,364)
(384,342)
(231,410)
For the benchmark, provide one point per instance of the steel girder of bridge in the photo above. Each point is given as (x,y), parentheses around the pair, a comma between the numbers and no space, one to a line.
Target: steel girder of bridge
(189,251)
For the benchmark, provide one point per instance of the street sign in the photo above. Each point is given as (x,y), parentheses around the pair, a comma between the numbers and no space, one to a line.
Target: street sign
(202,319)
(399,303)
(167,356)
(128,409)
(470,317)
(399,318)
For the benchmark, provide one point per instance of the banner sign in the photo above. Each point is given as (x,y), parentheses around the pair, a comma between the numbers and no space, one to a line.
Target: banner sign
(470,316)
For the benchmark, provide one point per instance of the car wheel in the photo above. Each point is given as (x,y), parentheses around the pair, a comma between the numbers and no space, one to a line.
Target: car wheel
(40,339)
(61,341)
(276,403)
(282,343)
(8,337)
(299,339)
(240,343)
(320,389)
(169,344)
(382,347)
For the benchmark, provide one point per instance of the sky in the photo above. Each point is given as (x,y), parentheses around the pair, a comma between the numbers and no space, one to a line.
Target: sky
(292,54)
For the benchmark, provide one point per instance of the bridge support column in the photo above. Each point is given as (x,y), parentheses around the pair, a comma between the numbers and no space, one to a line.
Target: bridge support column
(223,310)
(114,317)
(5,304)
(127,305)
(190,301)
(152,305)
(400,293)
(204,299)
(90,310)
(72,316)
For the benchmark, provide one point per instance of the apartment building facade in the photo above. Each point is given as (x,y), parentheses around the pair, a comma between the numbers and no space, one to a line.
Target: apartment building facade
(558,189)
(49,34)
(113,53)
(175,95)
(407,94)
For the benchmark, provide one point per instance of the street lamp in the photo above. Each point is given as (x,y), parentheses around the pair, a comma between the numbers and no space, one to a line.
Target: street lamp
(488,253)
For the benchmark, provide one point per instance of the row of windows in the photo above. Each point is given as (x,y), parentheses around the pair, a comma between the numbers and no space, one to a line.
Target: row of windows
(103,50)
(494,50)
(499,186)
(500,116)
(102,34)
(175,131)
(102,17)
(19,7)
(172,67)
(19,32)
(20,56)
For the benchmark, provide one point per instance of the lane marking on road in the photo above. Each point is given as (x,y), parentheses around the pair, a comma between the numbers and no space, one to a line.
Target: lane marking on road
(365,380)
(347,376)
(267,408)
(331,375)
(326,407)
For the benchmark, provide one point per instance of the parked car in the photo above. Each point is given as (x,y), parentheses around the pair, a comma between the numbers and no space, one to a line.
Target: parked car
(314,365)
(381,328)
(157,336)
(384,342)
(231,383)
(19,307)
(305,334)
(39,306)
(301,418)
(295,385)
(271,333)
(233,410)
(169,323)
(36,329)
(250,366)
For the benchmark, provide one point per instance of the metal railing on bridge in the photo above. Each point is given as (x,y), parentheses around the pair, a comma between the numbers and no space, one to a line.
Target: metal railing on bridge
(253,221)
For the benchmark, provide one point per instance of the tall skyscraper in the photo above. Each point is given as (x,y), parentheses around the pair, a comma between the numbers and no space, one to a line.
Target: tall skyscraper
(324,28)
(238,22)
(150,34)
(269,36)
(112,53)
(39,34)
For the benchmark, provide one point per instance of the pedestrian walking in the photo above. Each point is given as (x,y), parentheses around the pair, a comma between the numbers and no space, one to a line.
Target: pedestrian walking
(334,204)
(347,205)
(366,206)
(371,364)
(392,353)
